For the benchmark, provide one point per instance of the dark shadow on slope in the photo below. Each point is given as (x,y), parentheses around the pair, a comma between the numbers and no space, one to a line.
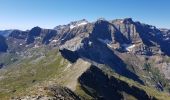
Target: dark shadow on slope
(105,30)
(34,32)
(69,55)
(99,85)
(48,36)
(149,36)
(102,30)
(96,51)
(67,36)
(3,44)
(100,53)
(1,65)
(165,47)
(18,34)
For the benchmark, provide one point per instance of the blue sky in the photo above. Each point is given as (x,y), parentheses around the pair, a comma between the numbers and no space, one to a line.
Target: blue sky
(25,14)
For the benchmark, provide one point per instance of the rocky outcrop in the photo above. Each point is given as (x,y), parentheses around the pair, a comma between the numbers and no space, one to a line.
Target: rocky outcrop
(62,93)
(53,93)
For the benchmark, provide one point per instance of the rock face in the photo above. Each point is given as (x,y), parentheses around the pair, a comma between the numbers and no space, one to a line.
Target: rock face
(63,93)
(47,39)
(56,93)
(127,30)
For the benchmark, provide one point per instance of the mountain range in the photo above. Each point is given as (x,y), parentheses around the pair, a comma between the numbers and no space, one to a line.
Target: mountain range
(118,59)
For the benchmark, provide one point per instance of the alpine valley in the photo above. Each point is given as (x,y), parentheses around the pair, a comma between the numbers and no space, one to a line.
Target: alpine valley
(118,59)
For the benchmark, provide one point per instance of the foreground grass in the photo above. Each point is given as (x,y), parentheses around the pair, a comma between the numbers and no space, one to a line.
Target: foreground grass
(29,72)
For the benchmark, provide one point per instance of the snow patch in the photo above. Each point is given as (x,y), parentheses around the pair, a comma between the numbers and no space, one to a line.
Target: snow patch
(152,27)
(167,38)
(36,46)
(72,26)
(90,43)
(72,47)
(128,47)
(54,41)
(121,21)
(106,41)
(81,24)
(77,25)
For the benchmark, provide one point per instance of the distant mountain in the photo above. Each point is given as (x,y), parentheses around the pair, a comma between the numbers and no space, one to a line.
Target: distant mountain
(120,58)
(5,33)
(73,24)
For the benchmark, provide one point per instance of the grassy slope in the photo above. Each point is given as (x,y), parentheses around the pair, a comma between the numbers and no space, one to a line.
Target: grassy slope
(150,91)
(31,71)
(31,75)
(147,70)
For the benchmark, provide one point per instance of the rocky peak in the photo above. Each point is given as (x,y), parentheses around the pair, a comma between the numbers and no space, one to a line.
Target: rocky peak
(128,21)
(103,30)
(78,23)
(123,21)
(34,32)
(71,25)
(60,27)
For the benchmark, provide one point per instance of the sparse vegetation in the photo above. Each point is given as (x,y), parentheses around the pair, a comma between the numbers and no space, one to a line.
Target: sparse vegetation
(27,74)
